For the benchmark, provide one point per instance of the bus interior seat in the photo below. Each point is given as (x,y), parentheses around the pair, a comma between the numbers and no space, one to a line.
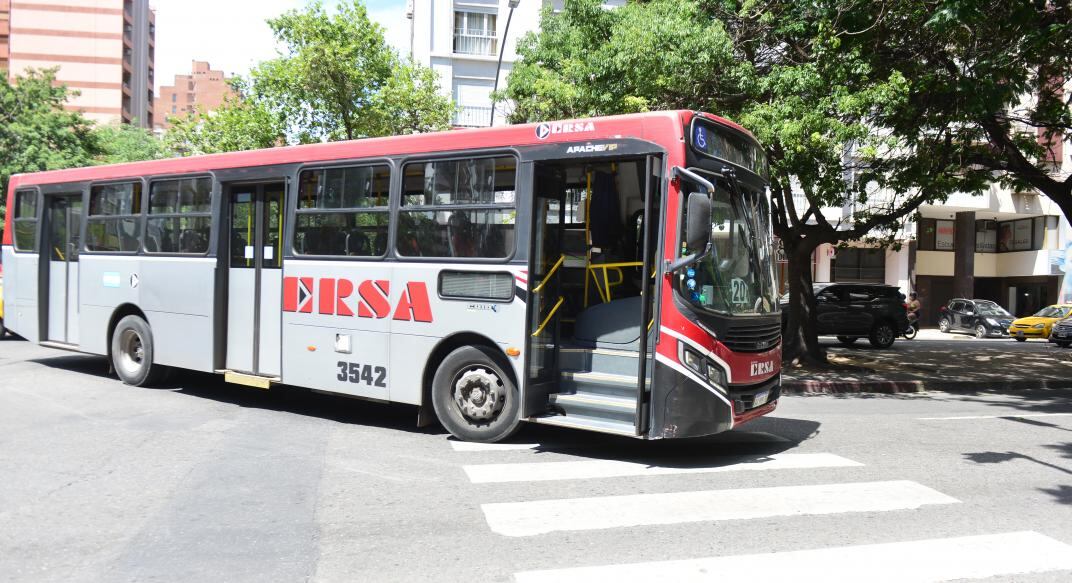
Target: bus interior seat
(615,324)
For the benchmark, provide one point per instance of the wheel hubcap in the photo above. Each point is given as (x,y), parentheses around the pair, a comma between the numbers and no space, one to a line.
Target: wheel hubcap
(479,394)
(131,351)
(885,335)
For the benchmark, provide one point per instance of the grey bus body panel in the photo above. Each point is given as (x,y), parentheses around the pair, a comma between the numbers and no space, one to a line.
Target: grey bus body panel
(270,323)
(315,341)
(174,293)
(242,284)
(20,294)
(57,301)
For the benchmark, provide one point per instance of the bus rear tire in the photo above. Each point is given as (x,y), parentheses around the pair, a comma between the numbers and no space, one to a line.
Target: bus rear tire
(132,353)
(474,397)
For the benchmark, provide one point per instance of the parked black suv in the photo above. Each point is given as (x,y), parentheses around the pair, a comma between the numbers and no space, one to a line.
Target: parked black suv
(852,311)
(983,318)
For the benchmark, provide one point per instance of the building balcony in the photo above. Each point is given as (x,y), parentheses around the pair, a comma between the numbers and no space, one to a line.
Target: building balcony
(472,116)
(475,44)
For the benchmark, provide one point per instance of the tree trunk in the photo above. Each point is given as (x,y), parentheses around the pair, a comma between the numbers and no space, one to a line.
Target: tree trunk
(800,342)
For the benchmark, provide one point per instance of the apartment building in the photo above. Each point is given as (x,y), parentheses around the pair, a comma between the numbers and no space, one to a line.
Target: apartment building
(104,49)
(5,35)
(463,41)
(204,89)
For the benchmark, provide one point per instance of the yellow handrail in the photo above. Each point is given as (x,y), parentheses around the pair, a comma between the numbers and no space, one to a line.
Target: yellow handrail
(548,318)
(604,291)
(547,278)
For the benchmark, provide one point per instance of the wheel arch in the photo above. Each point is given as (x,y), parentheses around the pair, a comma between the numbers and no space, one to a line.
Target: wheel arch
(449,344)
(120,312)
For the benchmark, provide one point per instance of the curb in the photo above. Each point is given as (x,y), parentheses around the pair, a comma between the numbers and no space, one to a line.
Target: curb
(805,387)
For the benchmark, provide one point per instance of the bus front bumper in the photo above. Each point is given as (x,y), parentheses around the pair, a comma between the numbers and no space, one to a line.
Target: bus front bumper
(683,407)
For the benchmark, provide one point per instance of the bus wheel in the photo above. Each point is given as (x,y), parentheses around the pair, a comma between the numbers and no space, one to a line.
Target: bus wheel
(132,353)
(473,396)
(3,331)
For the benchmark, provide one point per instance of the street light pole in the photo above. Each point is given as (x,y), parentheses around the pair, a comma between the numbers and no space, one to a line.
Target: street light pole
(502,49)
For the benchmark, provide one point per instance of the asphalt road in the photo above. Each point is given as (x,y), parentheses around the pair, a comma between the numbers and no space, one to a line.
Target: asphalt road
(204,481)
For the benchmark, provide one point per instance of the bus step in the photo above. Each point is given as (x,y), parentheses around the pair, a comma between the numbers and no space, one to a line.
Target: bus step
(587,423)
(606,407)
(60,346)
(249,380)
(603,360)
(613,385)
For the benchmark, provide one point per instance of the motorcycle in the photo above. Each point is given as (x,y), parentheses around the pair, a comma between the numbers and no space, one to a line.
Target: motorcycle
(913,326)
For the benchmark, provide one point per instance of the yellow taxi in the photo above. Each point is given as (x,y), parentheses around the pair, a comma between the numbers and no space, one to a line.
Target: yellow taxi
(1041,324)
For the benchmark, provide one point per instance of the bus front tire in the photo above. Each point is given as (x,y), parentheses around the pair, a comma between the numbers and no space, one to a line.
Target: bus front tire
(474,397)
(132,353)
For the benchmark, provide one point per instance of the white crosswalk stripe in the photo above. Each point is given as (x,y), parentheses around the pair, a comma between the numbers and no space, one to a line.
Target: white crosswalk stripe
(589,469)
(971,557)
(578,514)
(468,446)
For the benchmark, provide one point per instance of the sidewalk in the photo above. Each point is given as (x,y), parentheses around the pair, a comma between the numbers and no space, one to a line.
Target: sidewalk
(936,362)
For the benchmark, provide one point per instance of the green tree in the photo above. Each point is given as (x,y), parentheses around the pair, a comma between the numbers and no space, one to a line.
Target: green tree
(796,74)
(241,123)
(129,143)
(338,79)
(996,70)
(36,133)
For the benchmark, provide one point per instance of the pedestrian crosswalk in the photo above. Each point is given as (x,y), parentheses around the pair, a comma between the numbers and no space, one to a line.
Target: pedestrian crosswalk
(971,557)
(901,559)
(539,517)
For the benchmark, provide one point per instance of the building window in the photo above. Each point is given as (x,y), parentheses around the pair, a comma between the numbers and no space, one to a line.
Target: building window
(25,220)
(112,225)
(936,235)
(458,208)
(986,236)
(180,216)
(860,265)
(343,211)
(174,97)
(1016,236)
(474,33)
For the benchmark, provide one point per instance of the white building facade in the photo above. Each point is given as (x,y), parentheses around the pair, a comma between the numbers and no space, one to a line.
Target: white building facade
(462,40)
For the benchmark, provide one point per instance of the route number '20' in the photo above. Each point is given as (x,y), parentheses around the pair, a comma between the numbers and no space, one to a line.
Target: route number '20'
(362,375)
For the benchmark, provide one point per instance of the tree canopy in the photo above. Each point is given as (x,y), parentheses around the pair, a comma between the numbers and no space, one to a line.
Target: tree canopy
(799,75)
(36,133)
(336,78)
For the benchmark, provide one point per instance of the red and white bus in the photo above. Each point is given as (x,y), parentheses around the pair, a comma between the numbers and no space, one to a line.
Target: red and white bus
(610,274)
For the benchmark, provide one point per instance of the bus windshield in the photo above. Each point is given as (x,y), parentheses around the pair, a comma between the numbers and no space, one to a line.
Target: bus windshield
(737,278)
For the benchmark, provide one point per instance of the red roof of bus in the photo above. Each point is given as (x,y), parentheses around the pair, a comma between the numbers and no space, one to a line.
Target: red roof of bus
(664,127)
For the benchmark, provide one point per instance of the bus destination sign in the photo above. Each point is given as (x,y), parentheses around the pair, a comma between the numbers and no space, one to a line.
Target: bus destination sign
(711,140)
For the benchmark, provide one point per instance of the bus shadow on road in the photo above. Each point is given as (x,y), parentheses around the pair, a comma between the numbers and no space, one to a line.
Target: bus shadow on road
(337,408)
(762,438)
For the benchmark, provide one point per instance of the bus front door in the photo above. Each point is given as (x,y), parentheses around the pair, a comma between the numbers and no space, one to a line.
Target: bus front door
(64,215)
(255,279)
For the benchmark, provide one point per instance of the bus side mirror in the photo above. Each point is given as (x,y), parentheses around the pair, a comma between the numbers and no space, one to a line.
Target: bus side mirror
(698,230)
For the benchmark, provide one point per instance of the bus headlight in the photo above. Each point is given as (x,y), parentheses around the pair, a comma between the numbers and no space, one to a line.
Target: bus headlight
(704,367)
(715,375)
(694,361)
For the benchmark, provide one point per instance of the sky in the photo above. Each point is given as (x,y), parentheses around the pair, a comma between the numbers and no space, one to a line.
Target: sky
(232,34)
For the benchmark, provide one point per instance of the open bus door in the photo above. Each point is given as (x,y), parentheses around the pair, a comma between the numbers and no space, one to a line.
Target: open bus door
(592,277)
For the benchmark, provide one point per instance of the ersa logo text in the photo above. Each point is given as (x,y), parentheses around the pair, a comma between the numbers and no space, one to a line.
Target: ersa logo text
(762,368)
(546,130)
(365,299)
